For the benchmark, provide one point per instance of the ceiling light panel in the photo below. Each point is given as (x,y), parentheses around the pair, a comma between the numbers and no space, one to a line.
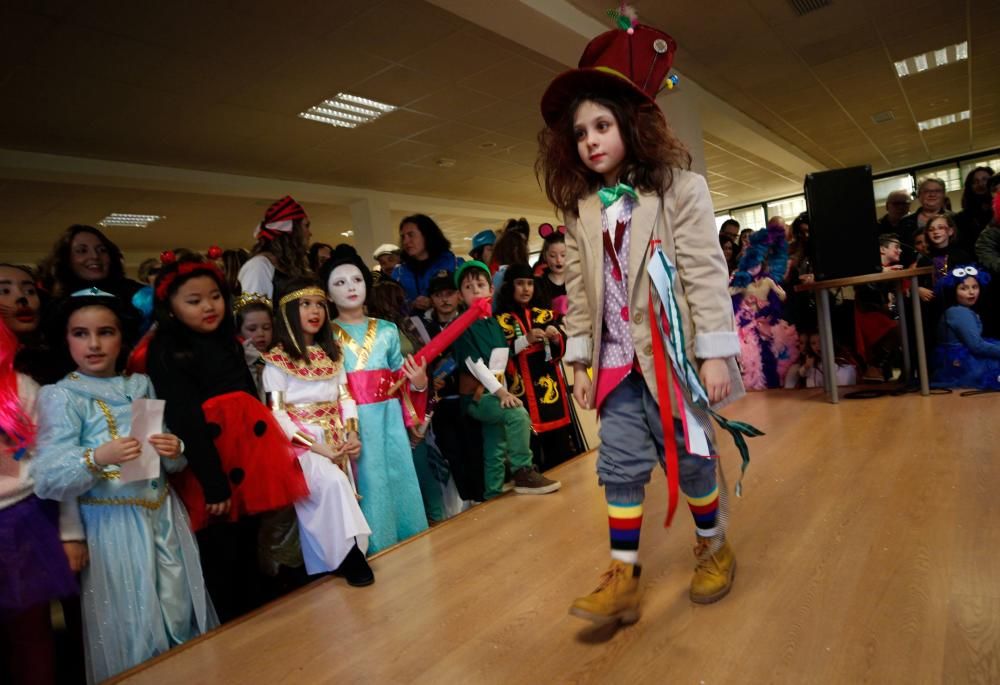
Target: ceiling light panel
(347,111)
(124,220)
(943,120)
(933,59)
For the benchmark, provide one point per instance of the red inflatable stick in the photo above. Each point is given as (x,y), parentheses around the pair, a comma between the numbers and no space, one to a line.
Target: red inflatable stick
(480,309)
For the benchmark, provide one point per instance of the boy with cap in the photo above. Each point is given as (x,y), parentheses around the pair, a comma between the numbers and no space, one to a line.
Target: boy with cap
(481,354)
(388,257)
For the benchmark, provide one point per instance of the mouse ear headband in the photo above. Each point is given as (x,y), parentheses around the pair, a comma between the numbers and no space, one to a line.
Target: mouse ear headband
(547,230)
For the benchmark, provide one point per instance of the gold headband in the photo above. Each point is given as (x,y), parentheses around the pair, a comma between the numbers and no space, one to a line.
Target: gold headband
(247,299)
(298,295)
(304,292)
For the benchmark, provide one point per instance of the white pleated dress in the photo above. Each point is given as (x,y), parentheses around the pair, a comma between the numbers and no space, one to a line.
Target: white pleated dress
(314,400)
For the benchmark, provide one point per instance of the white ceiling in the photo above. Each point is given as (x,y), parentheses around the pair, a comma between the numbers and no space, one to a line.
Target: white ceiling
(216,85)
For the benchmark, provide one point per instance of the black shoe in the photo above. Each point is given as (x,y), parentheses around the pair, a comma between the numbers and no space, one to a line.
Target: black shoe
(355,569)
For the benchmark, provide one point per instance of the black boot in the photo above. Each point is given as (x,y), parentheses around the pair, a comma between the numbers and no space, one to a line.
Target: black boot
(355,569)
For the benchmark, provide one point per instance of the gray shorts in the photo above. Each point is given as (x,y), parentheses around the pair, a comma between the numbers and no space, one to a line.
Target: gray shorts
(632,442)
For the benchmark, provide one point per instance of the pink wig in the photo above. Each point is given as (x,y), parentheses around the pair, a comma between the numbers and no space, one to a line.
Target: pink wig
(15,425)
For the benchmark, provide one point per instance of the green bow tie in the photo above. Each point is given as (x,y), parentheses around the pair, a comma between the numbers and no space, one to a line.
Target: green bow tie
(609,196)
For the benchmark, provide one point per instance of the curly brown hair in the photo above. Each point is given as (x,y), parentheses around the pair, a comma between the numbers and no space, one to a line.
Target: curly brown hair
(652,151)
(289,251)
(56,269)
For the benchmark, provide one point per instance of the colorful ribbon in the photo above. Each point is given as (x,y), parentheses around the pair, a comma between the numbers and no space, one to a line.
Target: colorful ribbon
(661,272)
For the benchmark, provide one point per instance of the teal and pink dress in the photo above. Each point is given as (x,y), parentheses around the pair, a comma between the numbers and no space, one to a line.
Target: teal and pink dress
(386,477)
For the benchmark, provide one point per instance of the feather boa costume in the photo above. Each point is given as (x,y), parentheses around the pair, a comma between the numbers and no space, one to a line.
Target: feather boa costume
(767,342)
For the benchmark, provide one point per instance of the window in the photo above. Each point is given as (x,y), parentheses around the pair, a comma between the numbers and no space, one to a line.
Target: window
(969,165)
(750,217)
(788,208)
(884,186)
(949,174)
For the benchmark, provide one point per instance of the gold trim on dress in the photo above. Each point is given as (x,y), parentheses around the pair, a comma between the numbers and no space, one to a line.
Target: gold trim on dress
(97,469)
(129,501)
(320,368)
(303,439)
(361,352)
(324,415)
(109,417)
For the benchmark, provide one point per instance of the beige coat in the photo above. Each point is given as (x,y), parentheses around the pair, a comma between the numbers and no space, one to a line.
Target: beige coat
(690,240)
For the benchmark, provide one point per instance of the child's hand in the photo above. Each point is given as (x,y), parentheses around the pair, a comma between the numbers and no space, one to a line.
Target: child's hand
(166,445)
(219,508)
(552,333)
(508,401)
(413,432)
(416,373)
(583,387)
(715,377)
(352,446)
(117,451)
(536,335)
(76,555)
(331,452)
(438,384)
(926,294)
(337,456)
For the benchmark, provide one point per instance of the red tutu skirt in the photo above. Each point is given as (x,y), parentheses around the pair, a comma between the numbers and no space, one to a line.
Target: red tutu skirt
(256,455)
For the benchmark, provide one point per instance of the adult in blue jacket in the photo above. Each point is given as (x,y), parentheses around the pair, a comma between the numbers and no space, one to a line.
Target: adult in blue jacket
(426,253)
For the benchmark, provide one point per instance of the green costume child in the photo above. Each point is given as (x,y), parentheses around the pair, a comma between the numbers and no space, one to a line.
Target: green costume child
(481,356)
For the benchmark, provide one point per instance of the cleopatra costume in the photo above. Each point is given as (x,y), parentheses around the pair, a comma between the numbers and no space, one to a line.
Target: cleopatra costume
(311,402)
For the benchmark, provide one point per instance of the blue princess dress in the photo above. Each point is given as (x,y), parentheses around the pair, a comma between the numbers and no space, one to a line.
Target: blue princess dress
(963,357)
(142,591)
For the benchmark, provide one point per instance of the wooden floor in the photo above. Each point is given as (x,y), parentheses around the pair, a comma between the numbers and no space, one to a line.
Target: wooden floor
(868,541)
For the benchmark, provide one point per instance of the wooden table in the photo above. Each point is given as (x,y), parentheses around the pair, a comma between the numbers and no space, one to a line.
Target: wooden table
(822,289)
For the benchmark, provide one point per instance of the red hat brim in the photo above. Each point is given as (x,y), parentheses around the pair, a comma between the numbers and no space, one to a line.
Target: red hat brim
(570,85)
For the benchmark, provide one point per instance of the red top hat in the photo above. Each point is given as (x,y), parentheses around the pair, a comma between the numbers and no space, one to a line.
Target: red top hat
(632,62)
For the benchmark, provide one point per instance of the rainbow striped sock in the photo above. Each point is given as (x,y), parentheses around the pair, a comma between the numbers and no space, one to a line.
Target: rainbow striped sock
(705,511)
(625,523)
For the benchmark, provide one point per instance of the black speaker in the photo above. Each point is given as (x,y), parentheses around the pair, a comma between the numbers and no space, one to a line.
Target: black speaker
(843,233)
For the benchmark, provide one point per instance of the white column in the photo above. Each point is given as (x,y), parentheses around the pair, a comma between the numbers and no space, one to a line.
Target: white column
(684,117)
(371,222)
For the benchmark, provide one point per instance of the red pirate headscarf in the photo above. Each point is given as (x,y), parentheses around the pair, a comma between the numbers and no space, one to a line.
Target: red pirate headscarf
(279,217)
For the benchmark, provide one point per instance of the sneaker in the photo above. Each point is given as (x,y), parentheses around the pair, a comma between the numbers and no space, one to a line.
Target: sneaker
(616,598)
(355,569)
(507,486)
(713,576)
(528,481)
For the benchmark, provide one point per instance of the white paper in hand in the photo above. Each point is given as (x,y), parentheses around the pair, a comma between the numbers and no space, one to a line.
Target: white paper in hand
(147,419)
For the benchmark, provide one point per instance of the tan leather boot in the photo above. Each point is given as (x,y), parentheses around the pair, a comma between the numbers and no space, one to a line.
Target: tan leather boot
(713,576)
(616,597)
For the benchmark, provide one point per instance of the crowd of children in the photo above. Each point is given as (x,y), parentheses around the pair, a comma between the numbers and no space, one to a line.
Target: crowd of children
(211,437)
(196,451)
